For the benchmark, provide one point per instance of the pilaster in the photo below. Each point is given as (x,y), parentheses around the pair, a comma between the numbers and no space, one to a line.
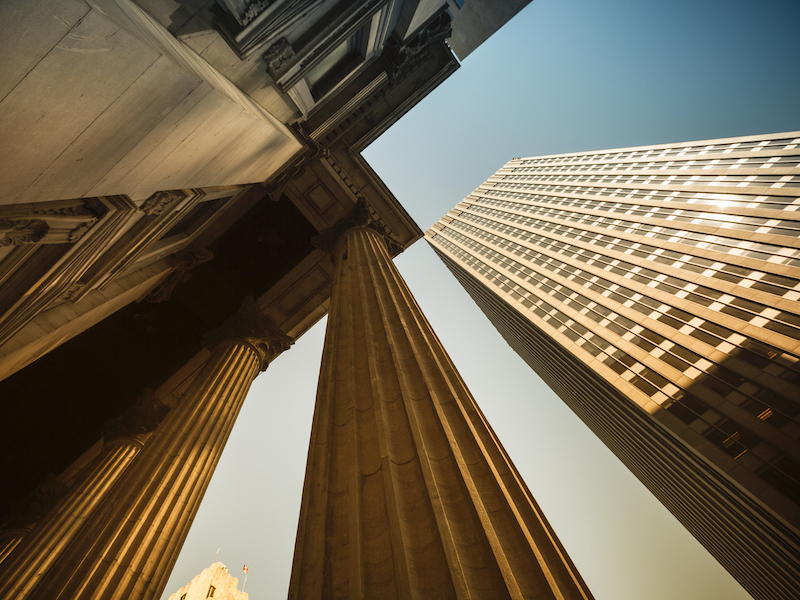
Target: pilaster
(135,535)
(408,492)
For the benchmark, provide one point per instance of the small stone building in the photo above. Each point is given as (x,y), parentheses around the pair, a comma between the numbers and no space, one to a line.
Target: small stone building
(214,582)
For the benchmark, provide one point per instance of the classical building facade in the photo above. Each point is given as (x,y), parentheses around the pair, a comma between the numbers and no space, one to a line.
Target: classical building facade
(214,582)
(182,196)
(657,291)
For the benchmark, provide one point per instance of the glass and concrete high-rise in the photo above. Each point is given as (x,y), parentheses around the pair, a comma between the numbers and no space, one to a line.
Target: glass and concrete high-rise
(656,290)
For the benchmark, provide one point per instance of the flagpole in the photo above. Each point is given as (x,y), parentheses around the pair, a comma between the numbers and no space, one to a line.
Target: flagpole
(246,573)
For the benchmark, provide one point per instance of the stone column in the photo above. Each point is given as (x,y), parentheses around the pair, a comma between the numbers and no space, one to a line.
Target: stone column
(10,539)
(58,526)
(132,541)
(48,538)
(408,492)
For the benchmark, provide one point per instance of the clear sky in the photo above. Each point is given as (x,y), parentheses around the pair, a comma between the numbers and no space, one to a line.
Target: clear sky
(563,76)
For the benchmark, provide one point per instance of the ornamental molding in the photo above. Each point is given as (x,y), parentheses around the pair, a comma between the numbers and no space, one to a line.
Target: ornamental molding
(160,201)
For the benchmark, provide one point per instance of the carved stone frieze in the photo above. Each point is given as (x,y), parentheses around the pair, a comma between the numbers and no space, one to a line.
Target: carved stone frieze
(183,262)
(160,201)
(251,327)
(22,231)
(360,216)
(77,210)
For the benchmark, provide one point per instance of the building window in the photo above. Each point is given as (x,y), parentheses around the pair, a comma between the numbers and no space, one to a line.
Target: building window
(211,590)
(342,61)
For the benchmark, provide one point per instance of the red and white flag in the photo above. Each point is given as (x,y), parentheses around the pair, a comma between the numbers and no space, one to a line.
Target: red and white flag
(245,569)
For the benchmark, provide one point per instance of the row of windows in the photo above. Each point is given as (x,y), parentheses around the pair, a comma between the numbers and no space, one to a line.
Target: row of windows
(719,148)
(706,331)
(774,467)
(766,252)
(679,357)
(761,162)
(778,285)
(790,227)
(775,181)
(723,200)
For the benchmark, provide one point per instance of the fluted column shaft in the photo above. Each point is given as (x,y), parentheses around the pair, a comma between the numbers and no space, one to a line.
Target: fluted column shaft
(42,546)
(9,540)
(408,492)
(133,540)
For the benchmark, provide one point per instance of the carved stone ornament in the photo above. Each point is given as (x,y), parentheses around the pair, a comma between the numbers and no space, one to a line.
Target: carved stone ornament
(402,59)
(77,233)
(77,210)
(143,417)
(360,216)
(250,326)
(253,10)
(160,201)
(183,262)
(22,231)
(278,54)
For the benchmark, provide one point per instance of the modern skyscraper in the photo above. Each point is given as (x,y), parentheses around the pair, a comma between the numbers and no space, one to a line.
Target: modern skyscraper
(656,289)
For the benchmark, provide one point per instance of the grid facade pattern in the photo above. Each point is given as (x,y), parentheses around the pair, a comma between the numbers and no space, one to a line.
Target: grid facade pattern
(672,274)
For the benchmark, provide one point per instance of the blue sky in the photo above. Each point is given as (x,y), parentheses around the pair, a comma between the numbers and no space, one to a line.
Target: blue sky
(563,76)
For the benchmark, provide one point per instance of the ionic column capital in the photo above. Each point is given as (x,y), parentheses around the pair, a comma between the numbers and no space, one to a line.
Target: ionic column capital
(250,327)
